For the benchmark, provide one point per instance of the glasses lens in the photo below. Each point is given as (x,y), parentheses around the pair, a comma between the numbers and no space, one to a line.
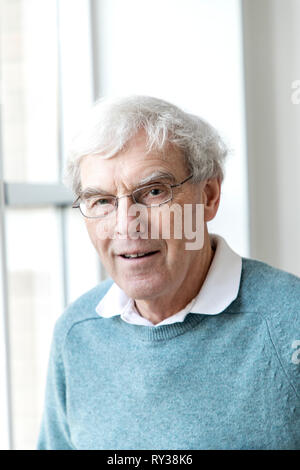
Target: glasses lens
(153,195)
(97,206)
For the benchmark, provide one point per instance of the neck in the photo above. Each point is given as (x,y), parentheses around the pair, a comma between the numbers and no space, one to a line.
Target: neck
(157,310)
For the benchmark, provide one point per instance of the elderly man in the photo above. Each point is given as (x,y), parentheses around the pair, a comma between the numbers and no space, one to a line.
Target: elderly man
(186,345)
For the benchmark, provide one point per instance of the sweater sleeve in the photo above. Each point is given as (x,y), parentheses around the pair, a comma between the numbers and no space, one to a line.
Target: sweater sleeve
(284,328)
(54,431)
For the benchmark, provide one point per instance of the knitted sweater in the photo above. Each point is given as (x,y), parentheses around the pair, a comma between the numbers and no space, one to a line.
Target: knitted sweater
(227,381)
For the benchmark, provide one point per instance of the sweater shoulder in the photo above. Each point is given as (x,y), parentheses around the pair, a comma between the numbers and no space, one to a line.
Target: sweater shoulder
(81,309)
(274,295)
(264,288)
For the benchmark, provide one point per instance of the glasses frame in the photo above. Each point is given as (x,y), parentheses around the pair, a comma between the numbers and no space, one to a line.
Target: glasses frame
(76,204)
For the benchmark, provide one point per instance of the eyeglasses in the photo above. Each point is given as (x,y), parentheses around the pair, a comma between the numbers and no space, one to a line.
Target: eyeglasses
(152,195)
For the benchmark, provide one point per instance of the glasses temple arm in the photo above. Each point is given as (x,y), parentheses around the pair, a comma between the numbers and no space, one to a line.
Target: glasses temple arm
(75,204)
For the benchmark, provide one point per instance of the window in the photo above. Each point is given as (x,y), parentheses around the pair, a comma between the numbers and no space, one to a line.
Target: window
(44,51)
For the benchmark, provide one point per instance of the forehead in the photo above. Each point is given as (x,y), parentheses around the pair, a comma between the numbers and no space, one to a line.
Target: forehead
(131,165)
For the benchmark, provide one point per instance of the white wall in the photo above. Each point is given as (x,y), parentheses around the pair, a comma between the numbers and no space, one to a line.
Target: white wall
(272,65)
(190,53)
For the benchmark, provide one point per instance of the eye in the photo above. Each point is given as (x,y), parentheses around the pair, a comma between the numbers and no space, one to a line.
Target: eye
(99,201)
(155,191)
(103,201)
(155,194)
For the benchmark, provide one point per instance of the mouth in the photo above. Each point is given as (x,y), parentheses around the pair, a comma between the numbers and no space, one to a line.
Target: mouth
(136,256)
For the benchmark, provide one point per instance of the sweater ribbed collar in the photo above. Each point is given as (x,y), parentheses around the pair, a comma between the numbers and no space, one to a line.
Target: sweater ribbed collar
(156,333)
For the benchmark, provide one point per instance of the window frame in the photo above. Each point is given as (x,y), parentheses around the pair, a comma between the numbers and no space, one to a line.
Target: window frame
(31,195)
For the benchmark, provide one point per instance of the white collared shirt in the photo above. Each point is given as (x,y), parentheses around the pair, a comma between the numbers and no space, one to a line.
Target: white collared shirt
(218,291)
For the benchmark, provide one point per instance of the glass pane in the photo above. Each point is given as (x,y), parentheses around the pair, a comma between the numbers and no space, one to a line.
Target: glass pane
(84,266)
(29,72)
(35,302)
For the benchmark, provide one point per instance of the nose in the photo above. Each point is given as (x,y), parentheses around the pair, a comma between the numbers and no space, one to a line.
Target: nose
(130,222)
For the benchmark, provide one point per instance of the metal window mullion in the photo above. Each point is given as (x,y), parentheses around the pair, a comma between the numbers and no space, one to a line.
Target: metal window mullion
(63,253)
(94,15)
(62,210)
(96,79)
(34,195)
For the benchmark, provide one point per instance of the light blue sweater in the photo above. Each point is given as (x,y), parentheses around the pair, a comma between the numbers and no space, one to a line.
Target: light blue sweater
(227,381)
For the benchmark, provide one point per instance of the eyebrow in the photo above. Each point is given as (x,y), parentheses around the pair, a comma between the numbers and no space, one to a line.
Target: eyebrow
(156,175)
(90,191)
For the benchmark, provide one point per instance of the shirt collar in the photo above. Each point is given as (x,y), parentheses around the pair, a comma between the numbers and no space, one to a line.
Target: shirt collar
(220,288)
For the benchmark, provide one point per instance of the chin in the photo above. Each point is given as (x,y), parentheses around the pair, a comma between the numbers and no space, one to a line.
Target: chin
(142,289)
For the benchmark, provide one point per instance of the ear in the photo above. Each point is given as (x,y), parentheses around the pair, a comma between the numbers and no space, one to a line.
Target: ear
(211,194)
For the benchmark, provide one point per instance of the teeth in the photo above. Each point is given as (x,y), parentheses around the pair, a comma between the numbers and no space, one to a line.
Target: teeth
(137,255)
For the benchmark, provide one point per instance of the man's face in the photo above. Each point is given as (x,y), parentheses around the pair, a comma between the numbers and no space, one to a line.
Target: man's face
(168,267)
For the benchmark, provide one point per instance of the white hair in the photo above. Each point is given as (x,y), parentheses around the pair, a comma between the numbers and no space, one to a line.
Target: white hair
(111,124)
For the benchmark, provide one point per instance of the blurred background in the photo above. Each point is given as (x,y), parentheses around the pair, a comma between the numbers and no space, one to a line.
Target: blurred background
(236,63)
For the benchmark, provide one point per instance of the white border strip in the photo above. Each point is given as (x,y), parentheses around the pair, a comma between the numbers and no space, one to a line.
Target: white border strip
(5,402)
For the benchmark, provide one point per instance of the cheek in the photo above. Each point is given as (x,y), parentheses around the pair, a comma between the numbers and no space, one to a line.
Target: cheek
(176,253)
(98,236)
(167,222)
(90,226)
